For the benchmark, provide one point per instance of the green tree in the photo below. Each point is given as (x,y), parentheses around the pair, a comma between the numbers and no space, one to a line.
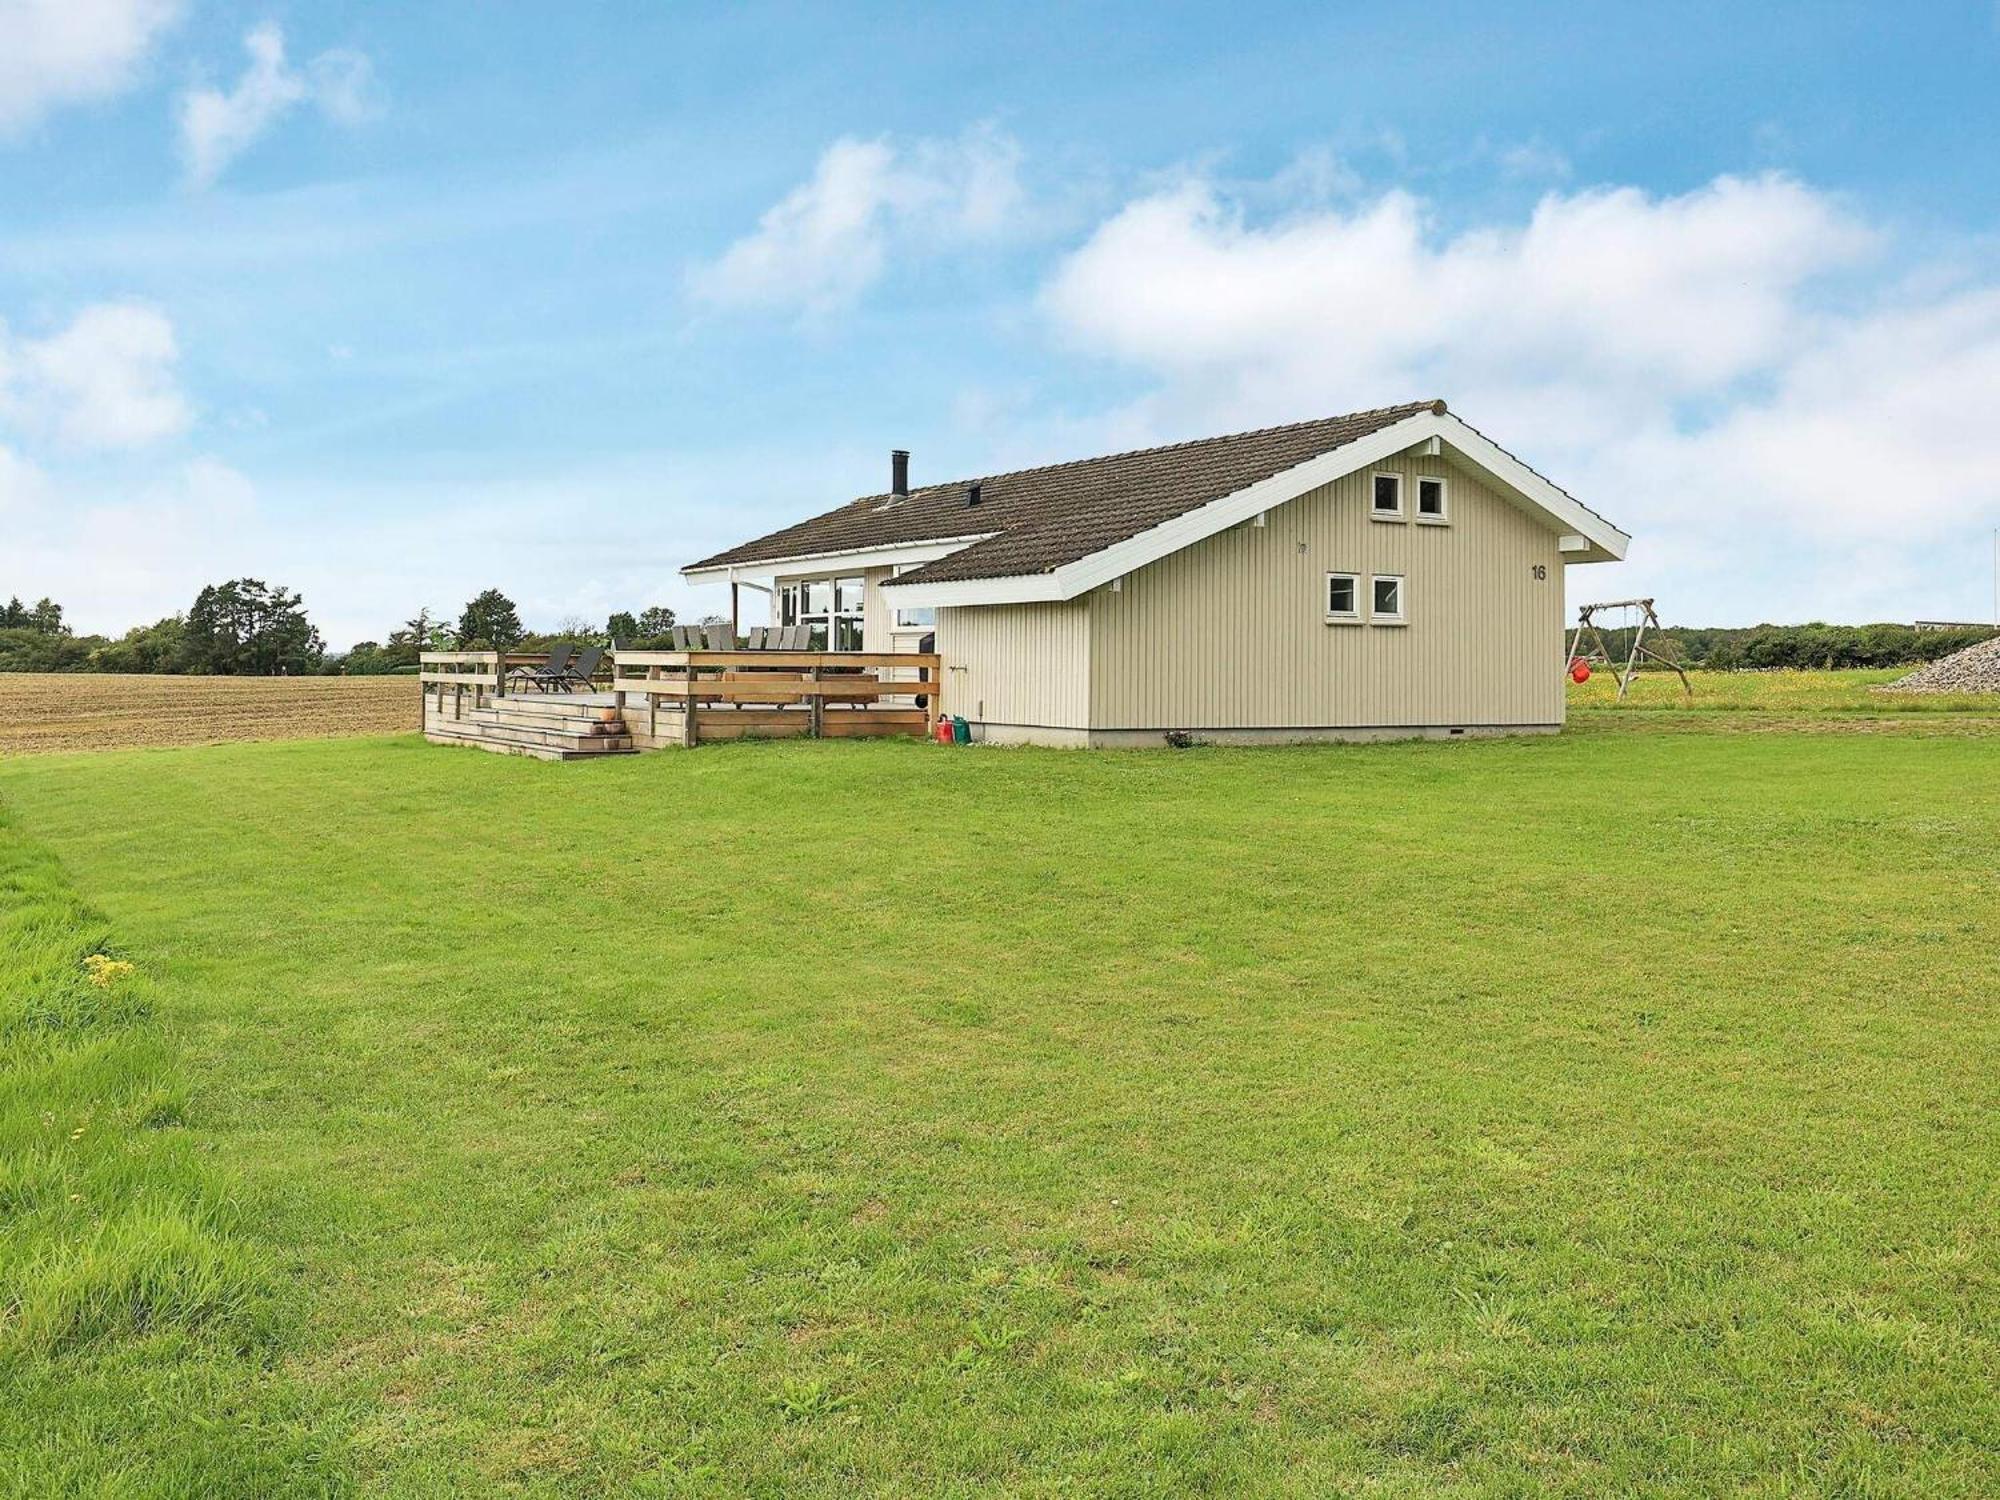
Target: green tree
(655,620)
(420,633)
(159,647)
(489,623)
(623,626)
(45,618)
(246,628)
(23,649)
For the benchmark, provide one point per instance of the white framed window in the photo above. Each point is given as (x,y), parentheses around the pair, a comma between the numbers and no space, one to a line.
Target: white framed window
(1385,496)
(1343,597)
(1387,599)
(830,608)
(1433,501)
(912,619)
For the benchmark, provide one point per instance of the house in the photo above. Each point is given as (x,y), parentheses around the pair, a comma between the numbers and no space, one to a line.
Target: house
(1386,573)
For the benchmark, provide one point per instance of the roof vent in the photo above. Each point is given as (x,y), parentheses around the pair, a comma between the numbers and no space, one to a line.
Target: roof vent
(971,494)
(899,473)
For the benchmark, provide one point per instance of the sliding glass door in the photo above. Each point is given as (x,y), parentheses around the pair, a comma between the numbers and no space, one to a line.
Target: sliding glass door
(830,608)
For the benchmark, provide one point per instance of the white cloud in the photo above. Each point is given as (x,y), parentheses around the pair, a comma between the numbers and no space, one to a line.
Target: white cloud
(826,241)
(343,84)
(106,381)
(1725,372)
(1684,291)
(1534,160)
(218,125)
(55,52)
(116,563)
(22,486)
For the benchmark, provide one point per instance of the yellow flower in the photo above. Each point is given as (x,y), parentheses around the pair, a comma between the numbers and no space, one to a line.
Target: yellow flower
(103,970)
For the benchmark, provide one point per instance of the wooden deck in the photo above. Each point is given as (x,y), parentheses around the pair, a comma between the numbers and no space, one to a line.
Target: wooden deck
(653,700)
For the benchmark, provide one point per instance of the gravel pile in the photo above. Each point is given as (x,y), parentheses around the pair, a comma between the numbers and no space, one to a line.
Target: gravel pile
(1976,669)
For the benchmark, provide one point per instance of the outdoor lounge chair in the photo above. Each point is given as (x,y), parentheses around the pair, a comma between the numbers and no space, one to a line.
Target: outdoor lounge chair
(550,672)
(576,676)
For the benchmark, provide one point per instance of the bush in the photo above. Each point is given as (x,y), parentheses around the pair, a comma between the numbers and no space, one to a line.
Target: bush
(1807,648)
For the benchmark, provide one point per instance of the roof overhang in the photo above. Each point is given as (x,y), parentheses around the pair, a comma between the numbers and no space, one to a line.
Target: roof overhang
(907,555)
(1585,535)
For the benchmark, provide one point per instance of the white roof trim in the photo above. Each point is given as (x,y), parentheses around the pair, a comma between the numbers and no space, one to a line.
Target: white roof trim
(1606,542)
(851,557)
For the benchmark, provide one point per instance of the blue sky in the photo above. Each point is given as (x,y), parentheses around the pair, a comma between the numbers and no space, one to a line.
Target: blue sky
(393,302)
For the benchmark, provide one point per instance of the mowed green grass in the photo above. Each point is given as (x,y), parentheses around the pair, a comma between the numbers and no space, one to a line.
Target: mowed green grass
(1831,697)
(1606,1114)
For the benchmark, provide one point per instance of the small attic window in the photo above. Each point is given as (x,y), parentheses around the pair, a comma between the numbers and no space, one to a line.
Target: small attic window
(1431,500)
(1385,500)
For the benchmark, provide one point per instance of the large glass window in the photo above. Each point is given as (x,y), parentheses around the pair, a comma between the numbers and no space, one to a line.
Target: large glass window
(829,608)
(848,594)
(913,619)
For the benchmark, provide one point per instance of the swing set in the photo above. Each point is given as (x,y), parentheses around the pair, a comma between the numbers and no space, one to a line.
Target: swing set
(1638,618)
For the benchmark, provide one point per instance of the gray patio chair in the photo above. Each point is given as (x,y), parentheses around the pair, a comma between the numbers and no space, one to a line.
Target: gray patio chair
(576,676)
(722,637)
(754,641)
(550,672)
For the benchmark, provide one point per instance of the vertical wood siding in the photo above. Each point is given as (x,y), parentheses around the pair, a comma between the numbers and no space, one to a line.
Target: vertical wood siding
(1025,664)
(1231,633)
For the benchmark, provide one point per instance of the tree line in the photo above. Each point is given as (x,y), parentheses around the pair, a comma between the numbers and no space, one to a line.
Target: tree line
(245,627)
(248,628)
(1809,648)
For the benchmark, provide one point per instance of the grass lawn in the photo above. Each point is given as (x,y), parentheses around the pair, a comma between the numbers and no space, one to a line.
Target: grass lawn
(1606,1114)
(1822,700)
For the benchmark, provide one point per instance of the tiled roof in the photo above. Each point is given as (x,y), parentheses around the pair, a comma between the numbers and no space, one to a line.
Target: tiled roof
(1043,518)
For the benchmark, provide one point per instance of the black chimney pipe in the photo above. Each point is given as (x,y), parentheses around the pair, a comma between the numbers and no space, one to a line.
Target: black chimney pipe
(899,473)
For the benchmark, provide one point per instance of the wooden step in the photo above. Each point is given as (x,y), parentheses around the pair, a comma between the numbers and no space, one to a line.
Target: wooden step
(553,706)
(509,734)
(514,734)
(533,752)
(541,723)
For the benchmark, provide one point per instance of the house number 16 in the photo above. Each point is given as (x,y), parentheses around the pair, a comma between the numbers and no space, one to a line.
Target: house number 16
(1540,570)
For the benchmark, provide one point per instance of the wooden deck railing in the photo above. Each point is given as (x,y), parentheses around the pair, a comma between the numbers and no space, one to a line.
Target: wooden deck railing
(730,694)
(688,696)
(462,669)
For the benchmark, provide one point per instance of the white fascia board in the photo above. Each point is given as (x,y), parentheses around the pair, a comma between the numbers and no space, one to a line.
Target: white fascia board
(1170,536)
(1184,530)
(1019,588)
(1552,502)
(1604,542)
(853,557)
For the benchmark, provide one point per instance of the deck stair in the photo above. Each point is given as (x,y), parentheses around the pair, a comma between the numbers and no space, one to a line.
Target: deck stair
(553,726)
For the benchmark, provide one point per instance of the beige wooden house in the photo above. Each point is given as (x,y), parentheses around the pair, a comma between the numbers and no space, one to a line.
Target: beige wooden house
(1387,573)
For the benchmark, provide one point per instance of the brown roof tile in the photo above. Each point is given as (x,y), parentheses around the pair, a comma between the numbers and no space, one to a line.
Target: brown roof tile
(1044,518)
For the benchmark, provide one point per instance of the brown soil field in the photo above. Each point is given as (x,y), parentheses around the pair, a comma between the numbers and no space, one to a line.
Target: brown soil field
(42,711)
